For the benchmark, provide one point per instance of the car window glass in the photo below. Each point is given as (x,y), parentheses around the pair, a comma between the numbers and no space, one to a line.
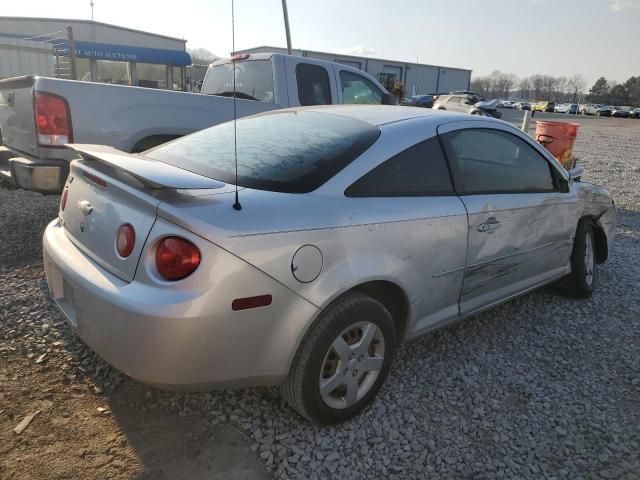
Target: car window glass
(357,89)
(496,161)
(419,170)
(289,151)
(313,84)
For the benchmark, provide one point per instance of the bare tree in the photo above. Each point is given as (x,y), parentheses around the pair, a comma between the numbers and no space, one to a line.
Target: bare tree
(537,86)
(525,88)
(561,89)
(577,84)
(202,56)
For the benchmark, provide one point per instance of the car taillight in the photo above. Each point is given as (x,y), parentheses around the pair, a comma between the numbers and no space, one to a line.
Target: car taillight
(53,120)
(176,258)
(63,200)
(125,240)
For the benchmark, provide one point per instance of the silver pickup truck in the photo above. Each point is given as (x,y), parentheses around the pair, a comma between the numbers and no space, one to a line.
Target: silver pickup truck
(39,116)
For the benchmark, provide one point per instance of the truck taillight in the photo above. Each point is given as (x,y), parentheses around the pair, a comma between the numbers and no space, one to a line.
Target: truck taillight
(53,120)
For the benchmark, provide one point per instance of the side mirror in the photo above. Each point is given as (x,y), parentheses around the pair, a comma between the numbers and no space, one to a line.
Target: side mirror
(388,99)
(575,173)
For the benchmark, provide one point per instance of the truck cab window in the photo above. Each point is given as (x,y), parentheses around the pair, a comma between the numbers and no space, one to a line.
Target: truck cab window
(254,80)
(357,89)
(313,85)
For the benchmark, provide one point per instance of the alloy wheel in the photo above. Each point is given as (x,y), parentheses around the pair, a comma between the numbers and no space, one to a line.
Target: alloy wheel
(352,365)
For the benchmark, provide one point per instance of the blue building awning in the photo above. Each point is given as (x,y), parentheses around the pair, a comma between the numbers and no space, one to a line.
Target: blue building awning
(107,51)
(123,53)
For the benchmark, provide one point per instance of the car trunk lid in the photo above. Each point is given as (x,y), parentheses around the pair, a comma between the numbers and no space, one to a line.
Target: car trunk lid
(107,189)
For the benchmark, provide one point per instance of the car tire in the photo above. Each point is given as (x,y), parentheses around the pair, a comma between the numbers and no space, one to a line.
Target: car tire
(313,360)
(581,282)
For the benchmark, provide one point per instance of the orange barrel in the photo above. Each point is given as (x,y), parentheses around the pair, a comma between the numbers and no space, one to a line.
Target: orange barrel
(558,138)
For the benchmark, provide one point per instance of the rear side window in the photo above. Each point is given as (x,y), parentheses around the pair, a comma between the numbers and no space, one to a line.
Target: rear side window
(357,89)
(493,161)
(420,170)
(254,80)
(286,151)
(313,85)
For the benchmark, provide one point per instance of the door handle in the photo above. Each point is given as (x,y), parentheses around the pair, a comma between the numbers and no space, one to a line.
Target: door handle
(490,226)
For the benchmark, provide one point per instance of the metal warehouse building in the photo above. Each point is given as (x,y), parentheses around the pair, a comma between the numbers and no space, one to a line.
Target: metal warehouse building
(100,53)
(417,78)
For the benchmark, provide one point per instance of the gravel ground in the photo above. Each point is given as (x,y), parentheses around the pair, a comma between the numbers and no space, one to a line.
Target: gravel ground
(542,387)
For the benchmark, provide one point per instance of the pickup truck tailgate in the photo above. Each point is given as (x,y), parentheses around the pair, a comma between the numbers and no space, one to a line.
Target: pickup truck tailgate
(18,121)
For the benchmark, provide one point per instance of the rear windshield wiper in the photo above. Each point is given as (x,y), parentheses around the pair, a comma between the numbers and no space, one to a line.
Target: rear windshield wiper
(242,95)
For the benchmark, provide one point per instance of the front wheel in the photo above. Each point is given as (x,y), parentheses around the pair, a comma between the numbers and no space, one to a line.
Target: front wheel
(582,279)
(343,360)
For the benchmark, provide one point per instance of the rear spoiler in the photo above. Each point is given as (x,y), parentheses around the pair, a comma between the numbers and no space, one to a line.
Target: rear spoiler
(151,172)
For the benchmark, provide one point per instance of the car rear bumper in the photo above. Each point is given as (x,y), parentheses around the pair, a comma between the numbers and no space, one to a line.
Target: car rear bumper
(169,337)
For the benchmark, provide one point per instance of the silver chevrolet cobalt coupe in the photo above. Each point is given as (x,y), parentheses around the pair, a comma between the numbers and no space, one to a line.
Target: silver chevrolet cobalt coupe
(357,228)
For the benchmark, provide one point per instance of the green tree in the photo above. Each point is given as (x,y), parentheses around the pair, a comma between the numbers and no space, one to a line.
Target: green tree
(619,95)
(599,93)
(632,86)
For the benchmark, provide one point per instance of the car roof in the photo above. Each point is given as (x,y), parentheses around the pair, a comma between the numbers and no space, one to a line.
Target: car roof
(379,115)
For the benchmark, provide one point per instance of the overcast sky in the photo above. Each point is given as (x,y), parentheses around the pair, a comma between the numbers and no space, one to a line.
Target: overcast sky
(556,37)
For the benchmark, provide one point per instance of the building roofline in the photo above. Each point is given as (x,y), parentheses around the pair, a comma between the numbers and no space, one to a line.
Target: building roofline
(93,22)
(347,56)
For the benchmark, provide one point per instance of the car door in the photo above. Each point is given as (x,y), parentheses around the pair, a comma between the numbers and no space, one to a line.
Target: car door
(521,214)
(422,226)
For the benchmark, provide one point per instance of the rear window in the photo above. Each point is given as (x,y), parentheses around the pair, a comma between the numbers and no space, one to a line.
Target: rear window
(289,151)
(254,80)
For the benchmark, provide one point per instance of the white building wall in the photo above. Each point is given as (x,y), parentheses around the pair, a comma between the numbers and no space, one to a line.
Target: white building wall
(20,56)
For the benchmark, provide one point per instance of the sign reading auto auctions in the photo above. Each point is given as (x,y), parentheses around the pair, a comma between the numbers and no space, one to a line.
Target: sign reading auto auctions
(124,53)
(107,55)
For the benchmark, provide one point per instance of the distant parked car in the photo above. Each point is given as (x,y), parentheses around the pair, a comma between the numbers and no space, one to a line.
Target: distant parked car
(571,108)
(508,104)
(523,106)
(635,113)
(582,108)
(597,109)
(544,107)
(467,103)
(604,111)
(425,101)
(621,112)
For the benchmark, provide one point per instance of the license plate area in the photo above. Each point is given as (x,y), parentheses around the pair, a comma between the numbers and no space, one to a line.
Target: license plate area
(63,294)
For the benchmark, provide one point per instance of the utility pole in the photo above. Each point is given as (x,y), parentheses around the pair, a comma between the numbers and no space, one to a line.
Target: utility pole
(92,4)
(286,26)
(72,52)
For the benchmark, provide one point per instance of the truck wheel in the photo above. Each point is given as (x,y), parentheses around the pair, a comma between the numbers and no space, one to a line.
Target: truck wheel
(342,361)
(582,280)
